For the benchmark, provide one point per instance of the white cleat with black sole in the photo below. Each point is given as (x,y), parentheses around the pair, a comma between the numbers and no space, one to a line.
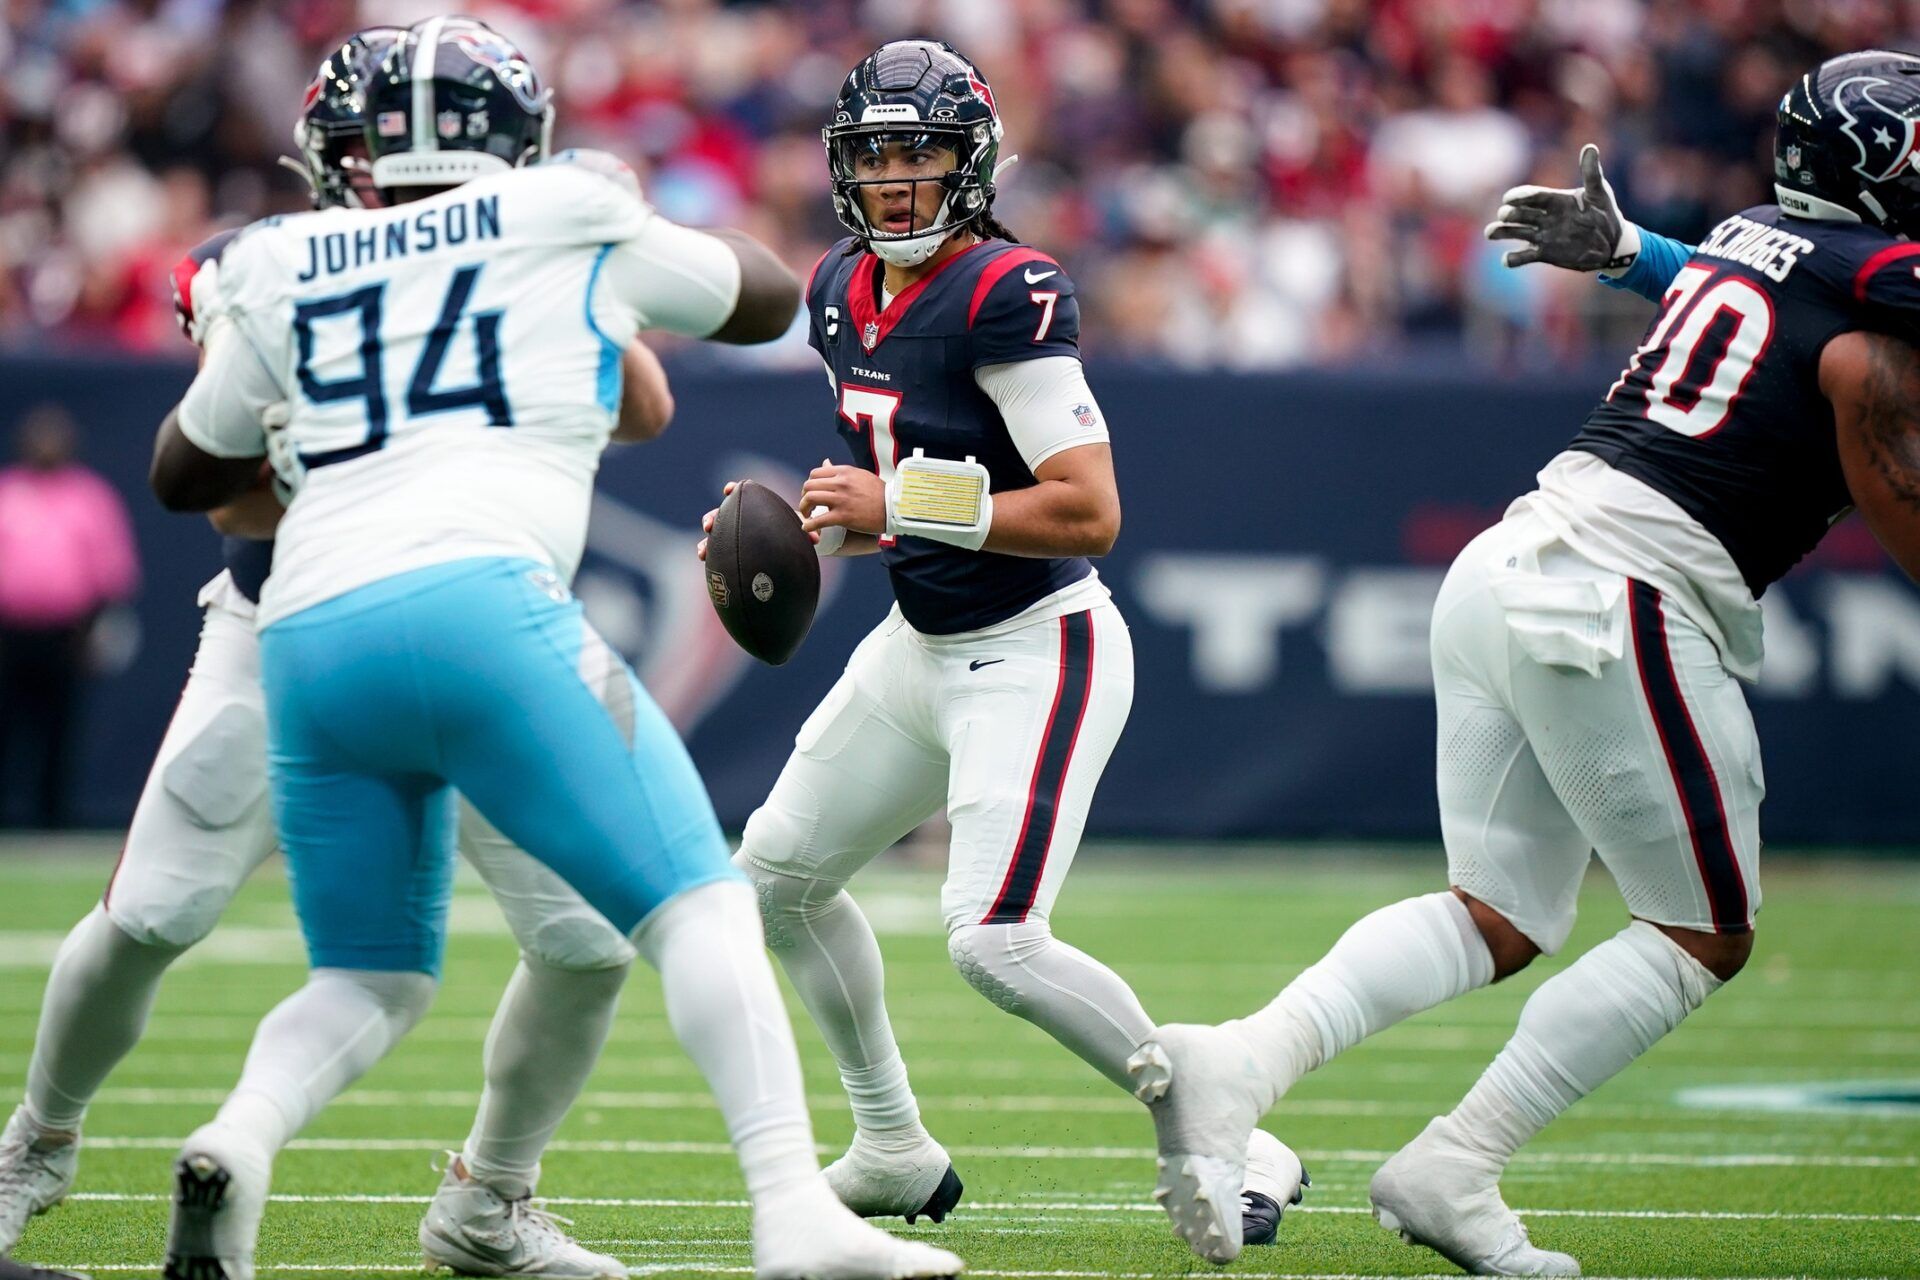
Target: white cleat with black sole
(220,1182)
(1275,1181)
(1205,1091)
(908,1182)
(471,1229)
(1439,1193)
(807,1234)
(36,1172)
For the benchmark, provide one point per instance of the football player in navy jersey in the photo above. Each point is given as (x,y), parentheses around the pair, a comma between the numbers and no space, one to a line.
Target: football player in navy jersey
(203,825)
(1588,653)
(981,475)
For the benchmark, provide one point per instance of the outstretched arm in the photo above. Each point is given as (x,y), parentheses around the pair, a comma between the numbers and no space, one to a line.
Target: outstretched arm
(646,399)
(186,477)
(1582,229)
(769,293)
(1873,382)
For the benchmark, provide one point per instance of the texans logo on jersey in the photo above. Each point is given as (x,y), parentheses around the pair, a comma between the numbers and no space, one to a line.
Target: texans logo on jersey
(1884,136)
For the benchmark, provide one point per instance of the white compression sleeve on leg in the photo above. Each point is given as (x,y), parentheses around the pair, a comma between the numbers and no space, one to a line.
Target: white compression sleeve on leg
(1026,971)
(831,957)
(1580,1029)
(725,1009)
(543,1044)
(318,1041)
(1388,966)
(98,997)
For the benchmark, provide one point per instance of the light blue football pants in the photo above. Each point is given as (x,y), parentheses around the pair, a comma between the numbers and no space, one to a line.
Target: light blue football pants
(479,675)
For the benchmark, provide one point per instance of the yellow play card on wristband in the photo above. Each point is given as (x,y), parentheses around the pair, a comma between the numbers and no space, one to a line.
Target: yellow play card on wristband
(936,491)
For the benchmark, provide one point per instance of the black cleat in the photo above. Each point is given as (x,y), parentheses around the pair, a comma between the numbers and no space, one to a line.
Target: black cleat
(944,1197)
(1260,1214)
(199,1189)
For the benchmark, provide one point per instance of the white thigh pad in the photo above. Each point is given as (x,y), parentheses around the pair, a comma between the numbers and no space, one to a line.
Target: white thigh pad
(221,772)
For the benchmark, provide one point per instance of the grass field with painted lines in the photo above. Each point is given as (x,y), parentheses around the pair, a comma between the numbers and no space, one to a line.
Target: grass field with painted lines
(1702,1160)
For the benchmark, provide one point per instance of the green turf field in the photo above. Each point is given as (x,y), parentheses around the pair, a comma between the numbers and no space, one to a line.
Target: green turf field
(1058,1164)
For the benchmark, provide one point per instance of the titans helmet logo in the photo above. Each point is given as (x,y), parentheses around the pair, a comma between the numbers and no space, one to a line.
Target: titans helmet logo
(1884,136)
(506,62)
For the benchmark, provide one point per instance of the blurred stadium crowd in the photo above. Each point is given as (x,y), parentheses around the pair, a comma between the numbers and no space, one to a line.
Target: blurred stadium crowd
(1244,183)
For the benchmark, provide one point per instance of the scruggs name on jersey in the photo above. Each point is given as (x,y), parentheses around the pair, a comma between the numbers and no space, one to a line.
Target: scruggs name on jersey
(1720,408)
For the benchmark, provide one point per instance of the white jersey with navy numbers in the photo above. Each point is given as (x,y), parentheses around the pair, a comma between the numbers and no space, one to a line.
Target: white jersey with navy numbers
(450,367)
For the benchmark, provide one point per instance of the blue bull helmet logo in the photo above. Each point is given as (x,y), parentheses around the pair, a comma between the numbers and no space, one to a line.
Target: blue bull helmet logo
(1885,136)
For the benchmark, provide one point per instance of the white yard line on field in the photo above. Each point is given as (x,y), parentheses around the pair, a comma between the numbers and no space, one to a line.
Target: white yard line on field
(1047,1206)
(645,1147)
(1109,1104)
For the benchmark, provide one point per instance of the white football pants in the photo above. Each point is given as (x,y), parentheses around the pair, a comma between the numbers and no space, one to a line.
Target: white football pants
(1009,729)
(1580,710)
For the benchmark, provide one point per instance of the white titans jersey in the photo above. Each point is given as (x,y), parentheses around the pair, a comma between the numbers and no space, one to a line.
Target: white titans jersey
(449,368)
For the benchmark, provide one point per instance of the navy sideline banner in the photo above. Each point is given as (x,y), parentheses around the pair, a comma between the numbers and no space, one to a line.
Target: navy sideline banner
(1284,537)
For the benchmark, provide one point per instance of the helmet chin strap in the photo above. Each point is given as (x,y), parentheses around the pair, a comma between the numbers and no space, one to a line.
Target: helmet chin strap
(911,251)
(1802,205)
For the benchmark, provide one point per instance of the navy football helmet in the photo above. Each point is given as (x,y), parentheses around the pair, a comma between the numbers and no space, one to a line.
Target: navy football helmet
(1848,133)
(921,93)
(453,100)
(330,134)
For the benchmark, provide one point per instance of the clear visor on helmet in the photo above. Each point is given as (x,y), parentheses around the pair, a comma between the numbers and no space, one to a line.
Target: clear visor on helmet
(899,179)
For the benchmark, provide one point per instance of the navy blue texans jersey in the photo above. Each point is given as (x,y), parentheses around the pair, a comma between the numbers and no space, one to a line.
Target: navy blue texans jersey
(904,381)
(249,561)
(1720,408)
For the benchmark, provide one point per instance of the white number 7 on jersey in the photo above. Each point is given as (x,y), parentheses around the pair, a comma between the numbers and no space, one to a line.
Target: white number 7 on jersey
(873,409)
(1045,299)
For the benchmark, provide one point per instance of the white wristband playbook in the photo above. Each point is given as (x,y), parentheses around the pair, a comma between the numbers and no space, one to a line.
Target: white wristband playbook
(940,499)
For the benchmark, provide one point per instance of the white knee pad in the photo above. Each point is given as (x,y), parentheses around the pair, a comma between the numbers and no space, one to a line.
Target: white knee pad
(171,926)
(786,901)
(989,957)
(403,997)
(579,941)
(775,837)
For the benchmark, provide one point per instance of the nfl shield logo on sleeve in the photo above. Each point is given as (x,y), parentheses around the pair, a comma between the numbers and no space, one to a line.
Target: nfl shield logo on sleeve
(1084,415)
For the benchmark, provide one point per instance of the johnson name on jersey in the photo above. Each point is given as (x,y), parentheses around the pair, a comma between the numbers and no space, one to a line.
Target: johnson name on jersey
(907,378)
(1720,408)
(450,366)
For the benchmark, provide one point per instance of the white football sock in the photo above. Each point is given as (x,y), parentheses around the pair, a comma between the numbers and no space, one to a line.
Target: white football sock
(828,950)
(1026,971)
(1580,1029)
(98,997)
(1390,965)
(725,1009)
(544,1041)
(315,1043)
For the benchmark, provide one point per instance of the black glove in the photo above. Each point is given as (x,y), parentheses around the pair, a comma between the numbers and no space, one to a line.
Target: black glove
(1579,228)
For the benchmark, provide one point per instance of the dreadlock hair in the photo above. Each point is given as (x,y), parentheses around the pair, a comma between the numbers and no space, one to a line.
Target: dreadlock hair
(984,225)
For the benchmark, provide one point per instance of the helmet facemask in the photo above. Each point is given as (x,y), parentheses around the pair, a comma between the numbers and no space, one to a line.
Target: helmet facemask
(871,156)
(330,136)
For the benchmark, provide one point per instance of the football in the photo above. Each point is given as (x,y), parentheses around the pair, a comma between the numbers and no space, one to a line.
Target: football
(762,573)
